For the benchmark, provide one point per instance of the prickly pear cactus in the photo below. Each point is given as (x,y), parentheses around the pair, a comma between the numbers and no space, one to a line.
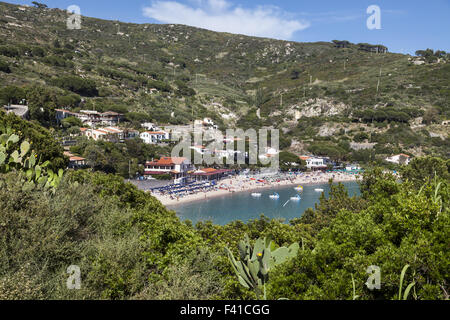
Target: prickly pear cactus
(26,163)
(256,262)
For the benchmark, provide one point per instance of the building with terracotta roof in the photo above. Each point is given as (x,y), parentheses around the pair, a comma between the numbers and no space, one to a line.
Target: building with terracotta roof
(75,162)
(177,167)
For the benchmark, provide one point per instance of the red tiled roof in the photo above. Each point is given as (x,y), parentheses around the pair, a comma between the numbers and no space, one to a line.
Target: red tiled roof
(75,158)
(167,161)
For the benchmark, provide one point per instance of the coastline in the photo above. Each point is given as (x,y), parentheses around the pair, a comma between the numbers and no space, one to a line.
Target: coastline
(240,184)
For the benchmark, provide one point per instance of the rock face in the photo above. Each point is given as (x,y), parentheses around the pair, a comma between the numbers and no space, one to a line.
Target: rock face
(327,131)
(321,107)
(314,108)
(362,146)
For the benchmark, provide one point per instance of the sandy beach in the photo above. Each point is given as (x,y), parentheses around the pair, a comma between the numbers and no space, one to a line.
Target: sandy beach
(247,184)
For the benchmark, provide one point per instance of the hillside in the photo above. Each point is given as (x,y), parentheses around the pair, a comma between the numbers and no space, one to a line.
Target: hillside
(323,96)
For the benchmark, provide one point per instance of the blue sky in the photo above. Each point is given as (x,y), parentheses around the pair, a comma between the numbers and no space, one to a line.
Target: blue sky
(406,26)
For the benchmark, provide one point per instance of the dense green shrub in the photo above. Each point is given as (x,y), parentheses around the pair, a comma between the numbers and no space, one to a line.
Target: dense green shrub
(4,67)
(84,87)
(9,51)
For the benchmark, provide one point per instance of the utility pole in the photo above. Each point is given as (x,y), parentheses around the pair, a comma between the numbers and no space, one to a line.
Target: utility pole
(281,101)
(310,79)
(378,85)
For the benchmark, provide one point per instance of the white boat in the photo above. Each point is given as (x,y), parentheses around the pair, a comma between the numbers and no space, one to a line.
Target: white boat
(318,190)
(274,196)
(296,198)
(256,195)
(299,188)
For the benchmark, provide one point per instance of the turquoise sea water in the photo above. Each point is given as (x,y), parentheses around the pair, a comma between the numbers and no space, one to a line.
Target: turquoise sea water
(242,206)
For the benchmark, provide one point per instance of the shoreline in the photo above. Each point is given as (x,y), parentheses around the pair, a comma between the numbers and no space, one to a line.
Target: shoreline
(242,185)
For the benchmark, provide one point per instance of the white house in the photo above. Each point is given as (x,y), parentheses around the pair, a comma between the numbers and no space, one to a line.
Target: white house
(150,137)
(315,163)
(113,134)
(205,123)
(399,159)
(200,149)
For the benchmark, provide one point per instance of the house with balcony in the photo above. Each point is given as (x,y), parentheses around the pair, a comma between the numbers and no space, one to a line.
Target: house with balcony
(75,162)
(90,117)
(177,167)
(154,137)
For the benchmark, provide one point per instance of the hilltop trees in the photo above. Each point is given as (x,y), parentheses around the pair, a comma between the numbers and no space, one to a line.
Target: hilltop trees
(430,55)
(342,44)
(39,5)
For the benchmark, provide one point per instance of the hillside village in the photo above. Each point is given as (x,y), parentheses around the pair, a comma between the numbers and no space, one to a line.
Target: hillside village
(107,127)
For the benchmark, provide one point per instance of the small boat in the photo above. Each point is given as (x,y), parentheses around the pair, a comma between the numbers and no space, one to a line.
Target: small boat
(274,196)
(296,198)
(256,195)
(318,190)
(299,188)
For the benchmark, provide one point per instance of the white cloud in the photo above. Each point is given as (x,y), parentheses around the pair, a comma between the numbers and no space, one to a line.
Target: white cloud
(223,16)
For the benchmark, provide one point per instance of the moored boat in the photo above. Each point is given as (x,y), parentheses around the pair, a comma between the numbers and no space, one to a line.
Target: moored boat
(274,196)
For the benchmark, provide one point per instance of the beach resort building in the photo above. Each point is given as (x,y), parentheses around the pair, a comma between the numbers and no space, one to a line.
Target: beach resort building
(316,163)
(154,137)
(209,174)
(177,167)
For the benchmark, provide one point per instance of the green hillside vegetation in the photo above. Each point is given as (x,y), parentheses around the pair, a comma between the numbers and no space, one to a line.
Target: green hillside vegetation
(110,65)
